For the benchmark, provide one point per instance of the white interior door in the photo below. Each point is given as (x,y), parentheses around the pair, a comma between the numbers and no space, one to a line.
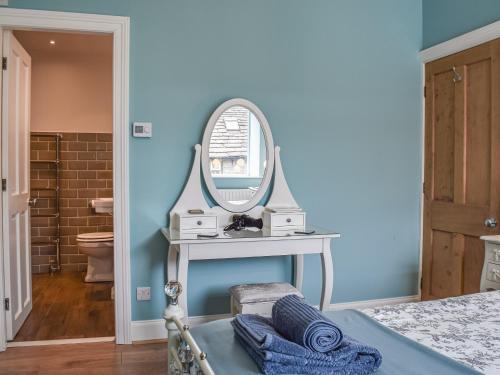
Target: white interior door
(15,169)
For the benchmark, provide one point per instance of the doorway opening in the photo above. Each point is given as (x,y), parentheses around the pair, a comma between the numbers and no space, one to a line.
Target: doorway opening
(119,28)
(58,127)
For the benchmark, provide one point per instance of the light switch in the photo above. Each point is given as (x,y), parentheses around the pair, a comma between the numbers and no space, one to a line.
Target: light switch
(142,129)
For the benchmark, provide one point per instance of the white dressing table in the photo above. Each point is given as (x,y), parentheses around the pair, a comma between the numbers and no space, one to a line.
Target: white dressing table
(247,244)
(234,138)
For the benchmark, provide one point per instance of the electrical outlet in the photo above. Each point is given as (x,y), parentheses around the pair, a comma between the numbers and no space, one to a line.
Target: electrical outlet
(143,293)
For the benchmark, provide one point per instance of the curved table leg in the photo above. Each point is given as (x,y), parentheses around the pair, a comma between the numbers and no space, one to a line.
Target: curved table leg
(182,277)
(173,251)
(327,265)
(298,267)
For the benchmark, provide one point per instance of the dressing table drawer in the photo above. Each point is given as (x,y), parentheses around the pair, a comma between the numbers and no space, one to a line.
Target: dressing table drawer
(493,272)
(284,220)
(196,223)
(493,252)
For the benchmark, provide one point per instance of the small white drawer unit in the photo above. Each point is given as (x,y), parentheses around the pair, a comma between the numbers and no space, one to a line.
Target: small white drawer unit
(195,223)
(490,278)
(284,220)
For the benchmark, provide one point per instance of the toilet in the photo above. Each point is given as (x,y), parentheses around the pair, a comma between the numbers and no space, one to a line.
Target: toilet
(99,248)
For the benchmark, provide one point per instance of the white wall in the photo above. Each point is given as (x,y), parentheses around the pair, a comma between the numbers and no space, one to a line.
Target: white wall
(71,87)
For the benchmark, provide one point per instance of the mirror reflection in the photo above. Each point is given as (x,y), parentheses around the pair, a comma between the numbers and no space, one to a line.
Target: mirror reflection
(237,154)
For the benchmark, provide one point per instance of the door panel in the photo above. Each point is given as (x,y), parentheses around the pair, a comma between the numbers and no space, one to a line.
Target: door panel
(473,263)
(444,138)
(478,133)
(462,181)
(446,254)
(15,168)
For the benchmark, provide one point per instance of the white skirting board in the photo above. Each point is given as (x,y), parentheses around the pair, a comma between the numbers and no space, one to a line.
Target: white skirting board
(84,340)
(155,329)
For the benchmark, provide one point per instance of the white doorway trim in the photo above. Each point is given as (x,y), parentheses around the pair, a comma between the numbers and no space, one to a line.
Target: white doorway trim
(461,43)
(119,27)
(458,44)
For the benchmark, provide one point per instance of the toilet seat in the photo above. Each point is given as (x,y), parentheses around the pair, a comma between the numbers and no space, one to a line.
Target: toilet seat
(95,237)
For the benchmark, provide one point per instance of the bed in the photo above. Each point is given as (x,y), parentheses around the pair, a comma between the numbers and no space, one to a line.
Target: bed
(465,329)
(458,335)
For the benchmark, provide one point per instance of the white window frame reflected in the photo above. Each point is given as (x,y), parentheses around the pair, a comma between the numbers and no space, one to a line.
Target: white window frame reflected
(253,168)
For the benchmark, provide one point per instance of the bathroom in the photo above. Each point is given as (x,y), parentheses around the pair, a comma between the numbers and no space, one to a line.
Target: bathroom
(71,184)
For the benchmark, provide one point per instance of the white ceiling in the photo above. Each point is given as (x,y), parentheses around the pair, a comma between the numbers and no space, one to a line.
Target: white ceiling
(38,42)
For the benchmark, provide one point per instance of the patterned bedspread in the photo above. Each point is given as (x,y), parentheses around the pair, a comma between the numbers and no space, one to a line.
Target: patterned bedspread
(466,328)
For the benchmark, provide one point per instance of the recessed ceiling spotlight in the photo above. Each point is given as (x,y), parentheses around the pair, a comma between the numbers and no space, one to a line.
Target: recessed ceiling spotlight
(52,42)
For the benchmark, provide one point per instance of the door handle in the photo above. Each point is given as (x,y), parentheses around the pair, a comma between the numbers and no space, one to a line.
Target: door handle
(456,76)
(490,222)
(32,202)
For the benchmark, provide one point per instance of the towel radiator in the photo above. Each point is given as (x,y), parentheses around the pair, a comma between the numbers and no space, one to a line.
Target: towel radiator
(55,265)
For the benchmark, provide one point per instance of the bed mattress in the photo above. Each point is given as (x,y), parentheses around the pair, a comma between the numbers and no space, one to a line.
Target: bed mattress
(466,328)
(401,355)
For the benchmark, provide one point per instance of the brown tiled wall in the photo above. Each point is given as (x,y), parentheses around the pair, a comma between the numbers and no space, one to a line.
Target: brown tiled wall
(86,173)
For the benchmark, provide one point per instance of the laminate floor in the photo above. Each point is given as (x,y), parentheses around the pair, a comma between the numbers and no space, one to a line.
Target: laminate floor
(64,307)
(88,359)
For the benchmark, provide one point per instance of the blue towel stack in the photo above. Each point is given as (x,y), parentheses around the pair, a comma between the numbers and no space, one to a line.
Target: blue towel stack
(299,340)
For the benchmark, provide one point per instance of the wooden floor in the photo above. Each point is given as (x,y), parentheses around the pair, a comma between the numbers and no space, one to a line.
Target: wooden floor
(64,307)
(101,358)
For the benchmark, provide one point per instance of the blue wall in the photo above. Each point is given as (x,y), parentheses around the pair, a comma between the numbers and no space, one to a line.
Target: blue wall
(446,19)
(339,81)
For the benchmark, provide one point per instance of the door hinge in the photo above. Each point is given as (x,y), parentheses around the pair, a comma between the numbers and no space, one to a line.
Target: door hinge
(421,283)
(425,91)
(4,184)
(423,188)
(4,63)
(7,304)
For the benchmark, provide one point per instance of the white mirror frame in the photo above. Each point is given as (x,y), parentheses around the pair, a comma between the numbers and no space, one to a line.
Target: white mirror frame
(205,158)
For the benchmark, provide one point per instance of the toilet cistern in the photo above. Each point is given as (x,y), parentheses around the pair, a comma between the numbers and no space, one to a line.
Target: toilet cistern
(103,205)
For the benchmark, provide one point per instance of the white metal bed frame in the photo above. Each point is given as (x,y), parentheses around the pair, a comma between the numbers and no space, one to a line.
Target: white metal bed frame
(184,354)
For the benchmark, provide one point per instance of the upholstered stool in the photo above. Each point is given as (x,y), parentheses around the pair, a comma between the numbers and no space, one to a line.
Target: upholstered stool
(258,298)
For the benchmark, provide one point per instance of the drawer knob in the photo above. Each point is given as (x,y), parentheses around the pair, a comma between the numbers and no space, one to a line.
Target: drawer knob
(496,274)
(288,220)
(496,253)
(199,222)
(490,222)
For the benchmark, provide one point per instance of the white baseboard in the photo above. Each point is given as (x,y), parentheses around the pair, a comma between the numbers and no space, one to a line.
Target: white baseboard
(88,340)
(155,329)
(143,330)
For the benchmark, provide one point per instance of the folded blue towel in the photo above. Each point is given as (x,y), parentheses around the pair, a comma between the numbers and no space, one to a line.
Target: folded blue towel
(303,324)
(259,333)
(275,355)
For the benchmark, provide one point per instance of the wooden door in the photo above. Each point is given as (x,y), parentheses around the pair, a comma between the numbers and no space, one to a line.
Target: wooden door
(15,169)
(462,168)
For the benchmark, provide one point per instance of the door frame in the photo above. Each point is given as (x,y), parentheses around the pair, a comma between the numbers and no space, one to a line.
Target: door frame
(458,44)
(119,27)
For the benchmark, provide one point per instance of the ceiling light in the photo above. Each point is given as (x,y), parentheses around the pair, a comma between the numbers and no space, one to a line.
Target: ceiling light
(52,42)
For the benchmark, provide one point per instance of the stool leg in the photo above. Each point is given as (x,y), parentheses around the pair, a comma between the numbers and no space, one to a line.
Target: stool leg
(233,309)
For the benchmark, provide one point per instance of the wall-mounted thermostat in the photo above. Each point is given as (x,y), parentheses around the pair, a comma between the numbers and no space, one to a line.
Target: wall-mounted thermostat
(142,129)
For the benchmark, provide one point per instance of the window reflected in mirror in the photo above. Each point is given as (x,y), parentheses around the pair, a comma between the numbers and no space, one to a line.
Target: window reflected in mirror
(237,154)
(236,145)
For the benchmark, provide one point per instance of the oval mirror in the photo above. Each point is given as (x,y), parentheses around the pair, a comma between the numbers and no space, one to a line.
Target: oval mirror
(237,155)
